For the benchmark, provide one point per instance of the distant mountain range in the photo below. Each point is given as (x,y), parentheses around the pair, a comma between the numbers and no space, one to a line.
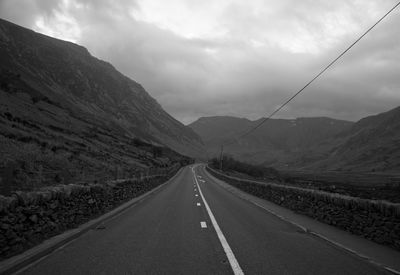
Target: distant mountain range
(371,144)
(46,81)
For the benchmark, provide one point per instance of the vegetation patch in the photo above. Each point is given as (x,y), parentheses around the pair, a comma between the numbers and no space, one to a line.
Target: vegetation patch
(257,171)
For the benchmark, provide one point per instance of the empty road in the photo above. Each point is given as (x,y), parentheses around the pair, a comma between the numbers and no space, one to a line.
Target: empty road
(194,226)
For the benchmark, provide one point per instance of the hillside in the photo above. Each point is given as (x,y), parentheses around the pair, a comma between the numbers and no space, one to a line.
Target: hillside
(57,101)
(219,127)
(369,145)
(66,74)
(275,143)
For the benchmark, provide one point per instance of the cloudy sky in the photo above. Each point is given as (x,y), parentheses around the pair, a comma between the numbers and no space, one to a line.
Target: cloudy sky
(235,57)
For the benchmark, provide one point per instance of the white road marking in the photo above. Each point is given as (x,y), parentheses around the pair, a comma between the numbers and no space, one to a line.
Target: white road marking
(198,204)
(203,224)
(196,195)
(237,270)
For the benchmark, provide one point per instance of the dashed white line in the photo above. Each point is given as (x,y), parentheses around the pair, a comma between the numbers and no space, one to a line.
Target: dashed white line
(237,270)
(198,204)
(196,195)
(203,224)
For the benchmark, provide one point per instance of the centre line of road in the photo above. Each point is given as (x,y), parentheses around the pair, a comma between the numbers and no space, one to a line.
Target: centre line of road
(237,270)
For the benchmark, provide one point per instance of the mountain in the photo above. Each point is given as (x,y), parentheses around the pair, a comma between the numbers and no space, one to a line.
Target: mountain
(219,127)
(62,78)
(369,145)
(274,143)
(64,111)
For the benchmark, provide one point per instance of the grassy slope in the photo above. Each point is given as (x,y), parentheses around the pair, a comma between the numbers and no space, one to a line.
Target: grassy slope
(66,116)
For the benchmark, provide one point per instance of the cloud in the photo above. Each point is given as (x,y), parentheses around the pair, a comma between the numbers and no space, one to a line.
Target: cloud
(231,57)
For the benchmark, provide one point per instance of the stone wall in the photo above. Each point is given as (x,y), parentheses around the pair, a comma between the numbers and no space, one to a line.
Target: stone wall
(28,218)
(378,221)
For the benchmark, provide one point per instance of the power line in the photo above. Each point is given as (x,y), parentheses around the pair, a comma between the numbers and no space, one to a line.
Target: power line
(315,77)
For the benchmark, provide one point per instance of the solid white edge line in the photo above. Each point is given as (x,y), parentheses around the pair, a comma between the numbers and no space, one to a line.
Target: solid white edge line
(306,230)
(237,270)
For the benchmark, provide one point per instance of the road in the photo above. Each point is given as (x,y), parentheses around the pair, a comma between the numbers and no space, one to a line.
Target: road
(171,232)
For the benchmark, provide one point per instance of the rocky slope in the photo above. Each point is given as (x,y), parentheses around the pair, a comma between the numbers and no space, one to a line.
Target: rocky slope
(64,77)
(66,116)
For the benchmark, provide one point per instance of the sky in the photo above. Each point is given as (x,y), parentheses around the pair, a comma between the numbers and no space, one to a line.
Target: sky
(235,57)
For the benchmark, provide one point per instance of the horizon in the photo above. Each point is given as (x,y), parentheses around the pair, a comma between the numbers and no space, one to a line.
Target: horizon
(276,118)
(212,66)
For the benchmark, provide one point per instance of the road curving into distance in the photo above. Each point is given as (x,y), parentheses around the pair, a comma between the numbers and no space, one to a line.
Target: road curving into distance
(194,226)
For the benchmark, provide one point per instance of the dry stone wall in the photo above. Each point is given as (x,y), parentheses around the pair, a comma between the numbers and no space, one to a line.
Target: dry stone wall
(28,218)
(378,221)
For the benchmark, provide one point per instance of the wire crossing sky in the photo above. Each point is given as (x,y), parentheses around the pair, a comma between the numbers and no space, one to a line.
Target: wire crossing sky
(232,57)
(319,74)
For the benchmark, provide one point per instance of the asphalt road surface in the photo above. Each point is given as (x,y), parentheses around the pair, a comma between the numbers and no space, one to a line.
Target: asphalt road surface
(184,230)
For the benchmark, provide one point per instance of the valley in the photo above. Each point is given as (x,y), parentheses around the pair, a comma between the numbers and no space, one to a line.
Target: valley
(309,144)
(97,177)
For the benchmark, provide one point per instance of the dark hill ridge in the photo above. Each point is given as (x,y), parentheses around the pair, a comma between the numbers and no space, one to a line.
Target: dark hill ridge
(275,142)
(67,117)
(65,83)
(219,127)
(371,144)
(298,131)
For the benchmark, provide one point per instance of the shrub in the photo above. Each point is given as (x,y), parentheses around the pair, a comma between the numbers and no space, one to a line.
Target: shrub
(257,171)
